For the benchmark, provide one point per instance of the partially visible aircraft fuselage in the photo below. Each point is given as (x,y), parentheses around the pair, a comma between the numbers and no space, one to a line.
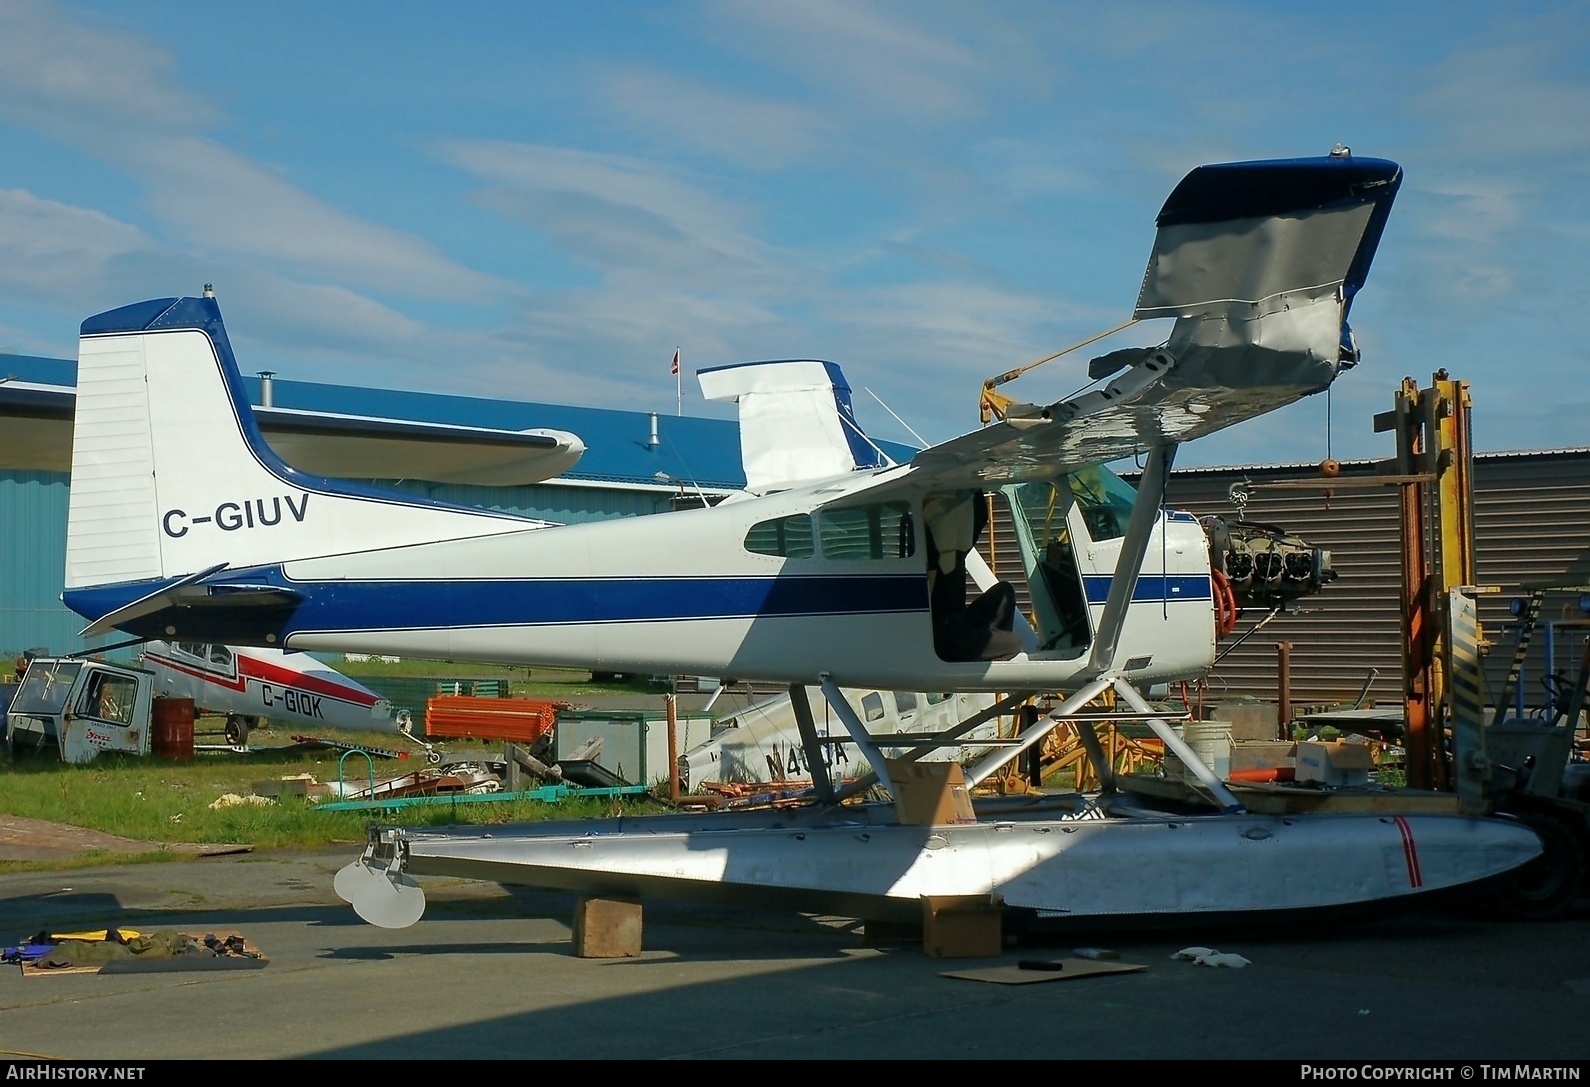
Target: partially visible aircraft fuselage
(255,683)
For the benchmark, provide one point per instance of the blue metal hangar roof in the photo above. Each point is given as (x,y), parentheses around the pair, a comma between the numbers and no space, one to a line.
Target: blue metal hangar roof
(694,451)
(690,450)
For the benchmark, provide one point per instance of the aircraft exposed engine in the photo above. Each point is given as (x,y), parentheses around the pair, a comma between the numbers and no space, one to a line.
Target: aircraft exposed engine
(1266,565)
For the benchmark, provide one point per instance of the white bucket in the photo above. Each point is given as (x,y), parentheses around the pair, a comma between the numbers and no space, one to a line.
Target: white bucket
(1211,742)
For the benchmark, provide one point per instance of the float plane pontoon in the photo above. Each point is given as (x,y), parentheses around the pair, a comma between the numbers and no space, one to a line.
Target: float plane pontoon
(835,568)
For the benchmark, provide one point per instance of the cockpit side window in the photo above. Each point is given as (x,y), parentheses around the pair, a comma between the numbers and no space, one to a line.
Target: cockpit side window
(787,537)
(883,530)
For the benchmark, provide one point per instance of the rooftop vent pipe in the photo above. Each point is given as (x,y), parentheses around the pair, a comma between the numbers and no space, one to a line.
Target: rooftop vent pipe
(267,388)
(653,442)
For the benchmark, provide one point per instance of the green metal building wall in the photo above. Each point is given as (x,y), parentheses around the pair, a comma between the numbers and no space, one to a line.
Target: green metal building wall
(33,564)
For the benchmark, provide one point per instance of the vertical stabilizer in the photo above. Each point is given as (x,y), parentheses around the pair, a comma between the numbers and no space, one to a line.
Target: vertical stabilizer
(170,475)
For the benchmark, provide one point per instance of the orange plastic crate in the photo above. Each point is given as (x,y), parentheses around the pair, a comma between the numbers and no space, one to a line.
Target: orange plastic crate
(462,717)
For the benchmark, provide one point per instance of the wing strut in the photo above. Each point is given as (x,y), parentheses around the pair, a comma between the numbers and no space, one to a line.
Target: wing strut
(821,782)
(990,763)
(858,731)
(938,740)
(1145,518)
(1174,743)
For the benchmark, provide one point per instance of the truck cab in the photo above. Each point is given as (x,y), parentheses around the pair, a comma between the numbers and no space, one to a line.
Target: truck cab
(82,707)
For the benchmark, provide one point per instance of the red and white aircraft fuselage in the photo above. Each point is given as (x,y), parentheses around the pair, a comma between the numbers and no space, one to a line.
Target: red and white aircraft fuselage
(249,685)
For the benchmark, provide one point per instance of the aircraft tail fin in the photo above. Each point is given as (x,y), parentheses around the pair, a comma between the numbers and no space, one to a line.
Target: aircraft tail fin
(796,421)
(171,477)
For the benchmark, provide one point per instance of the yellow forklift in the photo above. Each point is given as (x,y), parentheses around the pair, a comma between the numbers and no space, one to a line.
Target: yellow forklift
(1458,740)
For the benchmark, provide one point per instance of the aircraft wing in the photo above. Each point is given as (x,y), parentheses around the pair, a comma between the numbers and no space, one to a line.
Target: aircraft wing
(1258,263)
(360,447)
(37,434)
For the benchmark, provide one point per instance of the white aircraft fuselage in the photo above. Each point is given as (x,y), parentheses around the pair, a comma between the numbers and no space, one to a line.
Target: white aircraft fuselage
(226,543)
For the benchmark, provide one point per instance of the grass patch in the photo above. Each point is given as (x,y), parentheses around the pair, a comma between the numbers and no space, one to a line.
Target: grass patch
(152,800)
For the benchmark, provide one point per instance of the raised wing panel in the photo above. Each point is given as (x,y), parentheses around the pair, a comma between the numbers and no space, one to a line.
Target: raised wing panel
(1258,263)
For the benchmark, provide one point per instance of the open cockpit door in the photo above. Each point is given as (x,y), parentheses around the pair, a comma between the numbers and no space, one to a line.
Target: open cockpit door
(1041,518)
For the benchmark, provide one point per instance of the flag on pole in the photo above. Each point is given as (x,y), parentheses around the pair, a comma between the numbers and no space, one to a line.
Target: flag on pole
(679,388)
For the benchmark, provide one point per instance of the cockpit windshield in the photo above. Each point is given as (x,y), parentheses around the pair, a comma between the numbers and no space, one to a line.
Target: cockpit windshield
(1105,500)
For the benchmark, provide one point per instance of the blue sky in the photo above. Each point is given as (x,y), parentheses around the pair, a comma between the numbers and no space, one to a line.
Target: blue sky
(541,201)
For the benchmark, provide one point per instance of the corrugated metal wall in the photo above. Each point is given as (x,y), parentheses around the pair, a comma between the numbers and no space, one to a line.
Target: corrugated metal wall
(33,564)
(1532,524)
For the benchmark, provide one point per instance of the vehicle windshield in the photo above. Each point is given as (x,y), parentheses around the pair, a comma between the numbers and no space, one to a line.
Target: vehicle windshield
(45,687)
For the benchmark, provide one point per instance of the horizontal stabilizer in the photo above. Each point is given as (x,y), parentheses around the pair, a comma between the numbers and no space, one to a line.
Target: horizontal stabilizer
(162,598)
(796,422)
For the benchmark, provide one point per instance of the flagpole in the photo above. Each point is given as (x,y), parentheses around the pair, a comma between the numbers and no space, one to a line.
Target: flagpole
(679,387)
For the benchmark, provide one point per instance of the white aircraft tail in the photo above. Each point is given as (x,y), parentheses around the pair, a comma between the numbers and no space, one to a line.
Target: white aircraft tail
(171,478)
(796,422)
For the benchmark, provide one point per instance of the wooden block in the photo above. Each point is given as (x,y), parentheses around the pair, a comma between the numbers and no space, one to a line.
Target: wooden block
(962,926)
(607,928)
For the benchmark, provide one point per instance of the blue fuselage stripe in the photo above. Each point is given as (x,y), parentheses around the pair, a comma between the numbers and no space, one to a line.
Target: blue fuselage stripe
(398,605)
(421,605)
(1152,587)
(413,605)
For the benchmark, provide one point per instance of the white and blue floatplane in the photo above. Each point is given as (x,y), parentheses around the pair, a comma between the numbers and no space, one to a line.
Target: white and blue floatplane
(836,567)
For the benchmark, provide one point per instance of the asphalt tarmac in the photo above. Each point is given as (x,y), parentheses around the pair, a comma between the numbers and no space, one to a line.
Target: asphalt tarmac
(488,973)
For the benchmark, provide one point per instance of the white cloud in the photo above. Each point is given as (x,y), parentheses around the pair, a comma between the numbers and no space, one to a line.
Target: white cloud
(49,251)
(1469,209)
(1506,100)
(291,316)
(221,201)
(56,72)
(736,125)
(878,60)
(621,214)
(112,96)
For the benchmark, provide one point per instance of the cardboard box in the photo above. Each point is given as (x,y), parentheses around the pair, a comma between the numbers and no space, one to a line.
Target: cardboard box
(1334,763)
(1261,754)
(607,928)
(963,926)
(929,794)
(1248,720)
